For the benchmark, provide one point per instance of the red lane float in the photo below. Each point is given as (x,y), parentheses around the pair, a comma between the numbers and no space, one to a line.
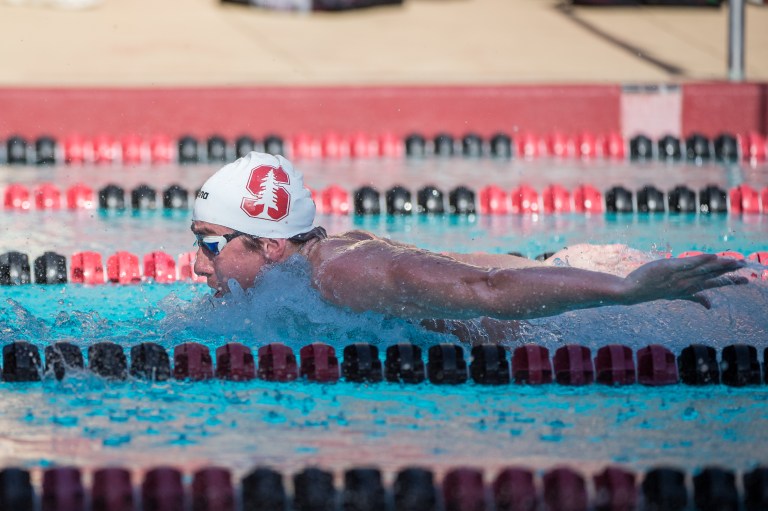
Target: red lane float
(334,200)
(47,196)
(764,199)
(76,150)
(86,268)
(123,268)
(134,150)
(524,200)
(587,199)
(744,199)
(753,147)
(160,267)
(391,146)
(80,196)
(493,201)
(335,146)
(762,258)
(187,267)
(17,197)
(732,254)
(105,149)
(529,146)
(363,146)
(304,146)
(162,149)
(561,146)
(556,199)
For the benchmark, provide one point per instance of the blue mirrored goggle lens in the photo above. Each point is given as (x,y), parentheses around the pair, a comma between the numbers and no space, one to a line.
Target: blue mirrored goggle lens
(214,244)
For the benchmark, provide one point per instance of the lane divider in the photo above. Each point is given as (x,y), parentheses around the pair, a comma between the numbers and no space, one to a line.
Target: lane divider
(446,364)
(160,149)
(399,200)
(414,488)
(160,267)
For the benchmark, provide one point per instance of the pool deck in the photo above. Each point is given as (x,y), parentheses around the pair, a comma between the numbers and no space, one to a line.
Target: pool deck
(146,43)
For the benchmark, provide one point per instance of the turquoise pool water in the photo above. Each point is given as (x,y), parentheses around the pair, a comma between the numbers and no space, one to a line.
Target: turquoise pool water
(89,422)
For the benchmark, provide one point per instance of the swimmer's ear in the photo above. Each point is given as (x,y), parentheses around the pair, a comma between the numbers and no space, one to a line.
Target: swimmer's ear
(274,249)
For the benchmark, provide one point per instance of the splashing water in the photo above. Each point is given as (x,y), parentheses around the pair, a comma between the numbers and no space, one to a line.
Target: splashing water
(284,307)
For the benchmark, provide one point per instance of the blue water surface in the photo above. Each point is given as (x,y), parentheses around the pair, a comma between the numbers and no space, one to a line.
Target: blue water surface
(92,422)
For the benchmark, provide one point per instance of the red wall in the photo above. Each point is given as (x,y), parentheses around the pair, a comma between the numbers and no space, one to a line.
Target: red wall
(709,108)
(289,110)
(714,108)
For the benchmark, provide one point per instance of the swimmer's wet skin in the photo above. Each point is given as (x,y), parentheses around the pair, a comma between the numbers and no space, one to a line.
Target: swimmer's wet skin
(263,197)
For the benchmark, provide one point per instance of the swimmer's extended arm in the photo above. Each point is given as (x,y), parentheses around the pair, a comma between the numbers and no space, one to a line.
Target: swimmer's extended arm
(406,282)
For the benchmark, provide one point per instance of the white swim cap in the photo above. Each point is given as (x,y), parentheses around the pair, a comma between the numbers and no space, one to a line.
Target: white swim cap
(259,194)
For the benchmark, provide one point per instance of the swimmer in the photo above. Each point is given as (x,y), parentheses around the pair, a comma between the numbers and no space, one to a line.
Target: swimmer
(256,212)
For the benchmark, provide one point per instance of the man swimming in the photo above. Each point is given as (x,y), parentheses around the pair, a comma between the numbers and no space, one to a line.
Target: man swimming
(256,212)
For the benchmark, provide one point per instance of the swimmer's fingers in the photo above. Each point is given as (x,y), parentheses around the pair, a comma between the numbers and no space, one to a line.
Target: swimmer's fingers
(713,283)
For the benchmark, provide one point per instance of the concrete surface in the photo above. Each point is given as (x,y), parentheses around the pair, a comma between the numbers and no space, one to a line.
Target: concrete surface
(201,42)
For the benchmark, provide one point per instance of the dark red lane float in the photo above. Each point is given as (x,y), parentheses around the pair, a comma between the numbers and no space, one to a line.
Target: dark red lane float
(464,490)
(573,365)
(62,490)
(531,365)
(112,490)
(235,362)
(192,361)
(277,362)
(656,365)
(319,363)
(162,490)
(565,490)
(212,490)
(614,365)
(615,490)
(514,489)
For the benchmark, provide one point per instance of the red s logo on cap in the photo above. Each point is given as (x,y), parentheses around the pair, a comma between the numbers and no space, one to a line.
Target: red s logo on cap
(271,200)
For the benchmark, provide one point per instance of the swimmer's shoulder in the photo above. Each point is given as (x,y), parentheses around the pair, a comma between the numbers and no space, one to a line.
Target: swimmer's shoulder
(345,243)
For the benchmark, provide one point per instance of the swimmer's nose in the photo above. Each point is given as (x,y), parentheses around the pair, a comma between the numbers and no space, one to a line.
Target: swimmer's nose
(203,266)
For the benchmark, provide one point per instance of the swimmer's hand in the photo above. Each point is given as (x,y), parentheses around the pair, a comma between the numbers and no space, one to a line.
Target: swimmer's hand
(681,279)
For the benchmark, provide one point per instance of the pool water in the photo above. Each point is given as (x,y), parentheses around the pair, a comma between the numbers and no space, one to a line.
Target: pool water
(89,422)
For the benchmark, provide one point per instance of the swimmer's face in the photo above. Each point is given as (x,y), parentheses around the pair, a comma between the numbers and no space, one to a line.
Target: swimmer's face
(239,259)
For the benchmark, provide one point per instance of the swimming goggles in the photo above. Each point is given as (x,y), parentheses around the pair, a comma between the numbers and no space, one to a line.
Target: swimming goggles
(216,243)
